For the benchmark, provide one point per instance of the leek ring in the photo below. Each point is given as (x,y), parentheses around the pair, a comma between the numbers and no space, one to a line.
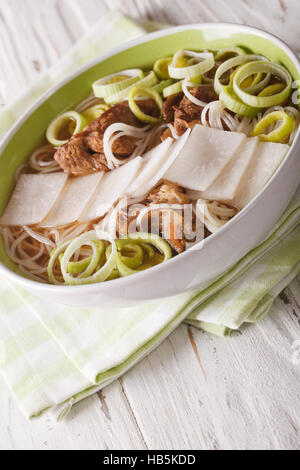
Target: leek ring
(280,133)
(60,122)
(144,91)
(264,67)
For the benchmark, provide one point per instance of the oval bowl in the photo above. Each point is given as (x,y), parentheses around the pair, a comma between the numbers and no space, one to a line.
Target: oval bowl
(195,268)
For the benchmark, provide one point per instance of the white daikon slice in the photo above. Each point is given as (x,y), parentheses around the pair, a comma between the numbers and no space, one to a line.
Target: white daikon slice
(204,157)
(227,184)
(265,162)
(74,199)
(111,188)
(33,198)
(152,162)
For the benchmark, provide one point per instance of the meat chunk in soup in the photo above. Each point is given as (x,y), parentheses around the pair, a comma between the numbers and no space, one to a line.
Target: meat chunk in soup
(168,193)
(84,152)
(187,114)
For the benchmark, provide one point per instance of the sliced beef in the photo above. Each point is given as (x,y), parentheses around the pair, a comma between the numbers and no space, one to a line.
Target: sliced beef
(76,158)
(187,114)
(168,193)
(168,106)
(84,152)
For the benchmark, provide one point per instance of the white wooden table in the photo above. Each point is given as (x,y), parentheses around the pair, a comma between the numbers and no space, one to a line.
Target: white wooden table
(195,391)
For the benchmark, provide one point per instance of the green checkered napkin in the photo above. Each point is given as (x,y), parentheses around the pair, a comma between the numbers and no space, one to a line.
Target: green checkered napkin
(52,356)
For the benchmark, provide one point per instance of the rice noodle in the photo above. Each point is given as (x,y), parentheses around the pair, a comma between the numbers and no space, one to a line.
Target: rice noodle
(214,115)
(186,83)
(90,101)
(38,237)
(214,214)
(172,129)
(30,249)
(42,160)
(117,130)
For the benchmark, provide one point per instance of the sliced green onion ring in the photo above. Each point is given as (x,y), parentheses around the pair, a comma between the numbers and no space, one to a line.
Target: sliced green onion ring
(140,237)
(231,101)
(178,87)
(272,89)
(279,133)
(230,64)
(61,122)
(148,81)
(162,85)
(257,81)
(116,82)
(53,258)
(94,112)
(144,91)
(136,253)
(136,258)
(90,238)
(149,249)
(80,267)
(173,89)
(220,54)
(264,67)
(161,67)
(204,62)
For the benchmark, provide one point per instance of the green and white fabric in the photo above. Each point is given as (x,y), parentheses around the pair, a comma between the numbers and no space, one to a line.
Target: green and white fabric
(53,356)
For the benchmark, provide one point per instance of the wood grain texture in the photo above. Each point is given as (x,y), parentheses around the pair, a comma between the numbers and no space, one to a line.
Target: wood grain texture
(195,391)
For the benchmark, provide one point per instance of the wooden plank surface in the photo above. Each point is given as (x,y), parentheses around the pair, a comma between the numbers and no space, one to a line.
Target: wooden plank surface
(195,391)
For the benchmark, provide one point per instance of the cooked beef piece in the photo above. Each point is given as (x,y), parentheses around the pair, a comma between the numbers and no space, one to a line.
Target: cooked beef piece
(121,113)
(126,220)
(168,193)
(84,153)
(168,106)
(76,158)
(172,229)
(170,222)
(122,147)
(187,114)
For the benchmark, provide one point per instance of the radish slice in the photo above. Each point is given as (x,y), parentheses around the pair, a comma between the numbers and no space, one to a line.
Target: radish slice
(33,198)
(73,200)
(265,162)
(111,188)
(204,157)
(227,184)
(158,162)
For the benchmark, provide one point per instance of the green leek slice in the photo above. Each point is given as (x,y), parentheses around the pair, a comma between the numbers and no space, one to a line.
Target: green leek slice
(62,122)
(144,91)
(230,64)
(133,257)
(94,112)
(254,83)
(162,85)
(219,55)
(280,133)
(161,67)
(79,267)
(116,82)
(201,63)
(139,237)
(231,101)
(263,67)
(173,89)
(148,81)
(53,258)
(272,89)
(90,239)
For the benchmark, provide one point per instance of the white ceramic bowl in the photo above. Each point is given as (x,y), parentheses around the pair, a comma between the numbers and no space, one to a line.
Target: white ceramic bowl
(198,267)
